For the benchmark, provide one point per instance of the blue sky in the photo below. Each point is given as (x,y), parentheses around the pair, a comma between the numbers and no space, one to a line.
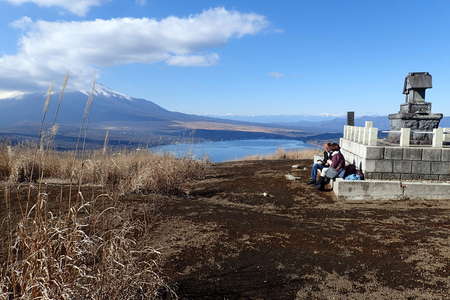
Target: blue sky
(239,57)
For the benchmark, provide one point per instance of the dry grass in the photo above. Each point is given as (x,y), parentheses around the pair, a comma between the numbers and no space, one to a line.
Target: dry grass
(90,251)
(85,254)
(125,172)
(288,155)
(4,162)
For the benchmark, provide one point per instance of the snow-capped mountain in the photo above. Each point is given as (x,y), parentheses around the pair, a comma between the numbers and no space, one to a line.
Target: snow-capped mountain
(101,90)
(108,106)
(129,119)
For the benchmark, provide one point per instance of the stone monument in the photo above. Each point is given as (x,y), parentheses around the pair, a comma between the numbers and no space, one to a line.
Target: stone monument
(351,118)
(415,113)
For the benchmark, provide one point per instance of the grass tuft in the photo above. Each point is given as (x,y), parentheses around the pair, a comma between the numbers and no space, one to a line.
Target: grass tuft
(282,154)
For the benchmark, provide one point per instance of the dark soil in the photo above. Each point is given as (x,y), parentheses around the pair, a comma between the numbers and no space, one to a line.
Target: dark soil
(226,239)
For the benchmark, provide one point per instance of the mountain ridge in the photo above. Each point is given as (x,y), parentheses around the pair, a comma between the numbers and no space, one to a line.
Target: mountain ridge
(126,117)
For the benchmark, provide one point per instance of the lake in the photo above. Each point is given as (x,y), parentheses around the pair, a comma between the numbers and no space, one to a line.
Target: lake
(231,150)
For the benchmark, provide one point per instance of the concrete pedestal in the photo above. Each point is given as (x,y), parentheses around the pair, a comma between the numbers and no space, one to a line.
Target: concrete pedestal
(372,190)
(404,163)
(417,122)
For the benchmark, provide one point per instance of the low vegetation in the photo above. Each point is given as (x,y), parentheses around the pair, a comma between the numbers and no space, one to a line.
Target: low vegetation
(125,172)
(88,246)
(287,155)
(85,254)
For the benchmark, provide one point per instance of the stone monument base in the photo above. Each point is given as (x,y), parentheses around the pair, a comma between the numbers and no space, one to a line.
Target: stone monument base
(373,190)
(418,123)
(398,163)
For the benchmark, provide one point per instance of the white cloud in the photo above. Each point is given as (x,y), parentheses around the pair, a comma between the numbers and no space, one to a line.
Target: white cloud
(10,94)
(78,7)
(193,60)
(276,75)
(22,23)
(141,2)
(48,50)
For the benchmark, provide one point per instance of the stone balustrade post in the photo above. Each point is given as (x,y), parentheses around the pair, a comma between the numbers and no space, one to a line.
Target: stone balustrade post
(360,135)
(373,137)
(446,135)
(366,135)
(369,124)
(405,137)
(438,137)
(352,133)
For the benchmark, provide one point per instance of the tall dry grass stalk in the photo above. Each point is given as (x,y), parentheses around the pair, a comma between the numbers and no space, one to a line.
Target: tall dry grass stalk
(44,116)
(60,99)
(85,119)
(83,132)
(105,142)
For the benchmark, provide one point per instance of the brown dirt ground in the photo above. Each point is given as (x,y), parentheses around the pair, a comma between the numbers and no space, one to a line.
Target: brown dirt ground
(228,241)
(223,239)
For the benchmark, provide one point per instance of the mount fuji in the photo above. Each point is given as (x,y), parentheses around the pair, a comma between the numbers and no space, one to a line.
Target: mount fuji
(129,120)
(108,106)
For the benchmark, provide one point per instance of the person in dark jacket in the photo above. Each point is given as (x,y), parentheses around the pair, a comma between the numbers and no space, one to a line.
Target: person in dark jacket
(320,164)
(336,167)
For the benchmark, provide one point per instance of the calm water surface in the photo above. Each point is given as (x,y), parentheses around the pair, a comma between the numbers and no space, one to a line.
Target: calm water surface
(231,150)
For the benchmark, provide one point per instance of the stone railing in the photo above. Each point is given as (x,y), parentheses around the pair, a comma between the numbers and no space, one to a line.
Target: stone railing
(440,135)
(367,135)
(446,135)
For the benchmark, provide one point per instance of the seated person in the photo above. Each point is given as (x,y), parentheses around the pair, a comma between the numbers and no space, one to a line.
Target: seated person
(336,167)
(352,173)
(320,164)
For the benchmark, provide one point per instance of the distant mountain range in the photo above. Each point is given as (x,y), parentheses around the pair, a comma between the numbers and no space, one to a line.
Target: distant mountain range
(135,121)
(108,106)
(271,119)
(319,123)
(130,121)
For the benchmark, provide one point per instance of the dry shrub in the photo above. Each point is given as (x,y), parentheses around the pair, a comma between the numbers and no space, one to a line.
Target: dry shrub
(142,172)
(155,173)
(85,254)
(139,171)
(4,162)
(28,164)
(287,155)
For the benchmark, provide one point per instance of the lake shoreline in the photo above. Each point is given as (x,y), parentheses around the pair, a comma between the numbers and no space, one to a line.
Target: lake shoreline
(232,150)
